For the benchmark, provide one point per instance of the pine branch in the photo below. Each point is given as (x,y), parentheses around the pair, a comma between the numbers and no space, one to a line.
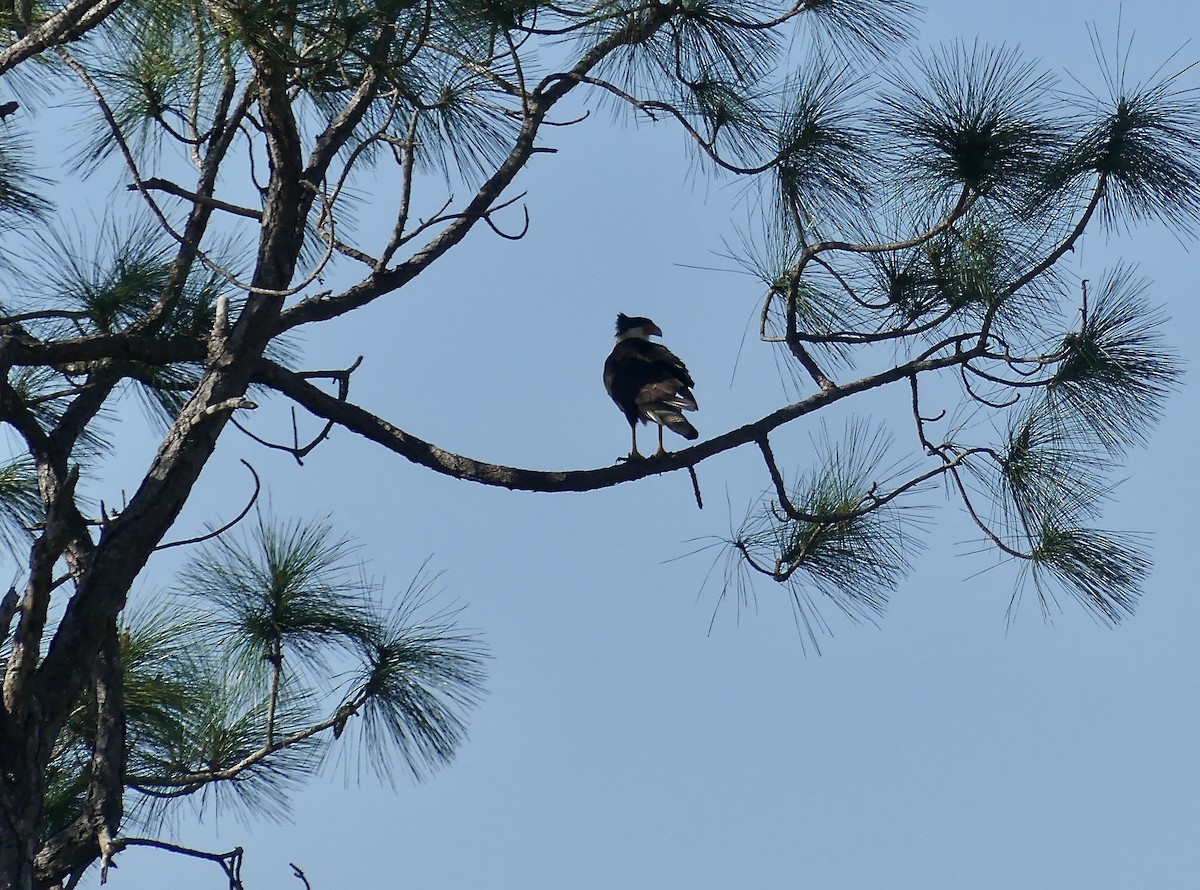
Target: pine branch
(418,451)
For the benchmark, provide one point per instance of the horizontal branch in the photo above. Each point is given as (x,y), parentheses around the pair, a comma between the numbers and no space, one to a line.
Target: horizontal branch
(231,862)
(23,349)
(870,502)
(188,783)
(426,454)
(165,185)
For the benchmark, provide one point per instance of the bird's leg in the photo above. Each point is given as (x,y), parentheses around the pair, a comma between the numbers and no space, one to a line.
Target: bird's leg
(661,450)
(633,454)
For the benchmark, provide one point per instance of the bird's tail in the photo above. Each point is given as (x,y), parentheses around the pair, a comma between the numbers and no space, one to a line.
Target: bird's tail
(683,400)
(669,417)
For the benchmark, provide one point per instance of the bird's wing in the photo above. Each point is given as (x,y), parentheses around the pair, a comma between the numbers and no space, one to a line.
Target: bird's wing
(659,354)
(647,373)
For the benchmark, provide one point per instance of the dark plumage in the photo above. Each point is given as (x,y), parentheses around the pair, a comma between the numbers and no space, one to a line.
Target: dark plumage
(648,381)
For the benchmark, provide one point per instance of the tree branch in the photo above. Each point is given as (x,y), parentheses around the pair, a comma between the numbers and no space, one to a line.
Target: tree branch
(165,185)
(231,862)
(550,91)
(71,22)
(94,830)
(371,427)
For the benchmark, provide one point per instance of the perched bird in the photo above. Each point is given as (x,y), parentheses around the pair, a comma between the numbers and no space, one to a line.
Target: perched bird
(648,381)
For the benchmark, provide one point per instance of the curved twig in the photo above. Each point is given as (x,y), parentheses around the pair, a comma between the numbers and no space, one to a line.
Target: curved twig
(1027,383)
(227,526)
(921,420)
(650,106)
(741,547)
(983,526)
(487,218)
(962,372)
(966,200)
(300,874)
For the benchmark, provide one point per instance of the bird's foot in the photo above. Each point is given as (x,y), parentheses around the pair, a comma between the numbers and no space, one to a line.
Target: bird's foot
(633,455)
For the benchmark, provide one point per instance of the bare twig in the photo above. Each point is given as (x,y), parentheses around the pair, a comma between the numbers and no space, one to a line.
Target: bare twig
(300,874)
(696,487)
(921,420)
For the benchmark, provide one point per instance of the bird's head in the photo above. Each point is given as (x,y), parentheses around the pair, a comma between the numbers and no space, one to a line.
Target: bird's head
(635,326)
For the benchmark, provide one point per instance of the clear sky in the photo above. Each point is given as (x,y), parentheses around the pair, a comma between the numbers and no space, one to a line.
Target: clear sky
(623,745)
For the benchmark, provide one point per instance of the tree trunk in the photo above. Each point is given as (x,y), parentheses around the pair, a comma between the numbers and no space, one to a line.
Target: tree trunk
(20,806)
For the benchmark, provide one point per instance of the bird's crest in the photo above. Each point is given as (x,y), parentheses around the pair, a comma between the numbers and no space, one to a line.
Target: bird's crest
(629,322)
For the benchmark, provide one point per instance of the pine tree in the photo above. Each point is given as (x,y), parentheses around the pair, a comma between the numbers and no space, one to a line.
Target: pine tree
(912,219)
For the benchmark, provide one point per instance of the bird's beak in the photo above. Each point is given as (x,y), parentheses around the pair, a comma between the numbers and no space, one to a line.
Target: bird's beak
(653,329)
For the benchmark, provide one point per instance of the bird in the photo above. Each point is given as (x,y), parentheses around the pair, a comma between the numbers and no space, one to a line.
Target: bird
(648,382)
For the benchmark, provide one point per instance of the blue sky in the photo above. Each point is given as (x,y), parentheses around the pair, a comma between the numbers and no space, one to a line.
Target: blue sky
(623,744)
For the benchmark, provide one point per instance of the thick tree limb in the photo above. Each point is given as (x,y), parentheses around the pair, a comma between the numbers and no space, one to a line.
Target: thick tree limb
(93,831)
(23,349)
(69,23)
